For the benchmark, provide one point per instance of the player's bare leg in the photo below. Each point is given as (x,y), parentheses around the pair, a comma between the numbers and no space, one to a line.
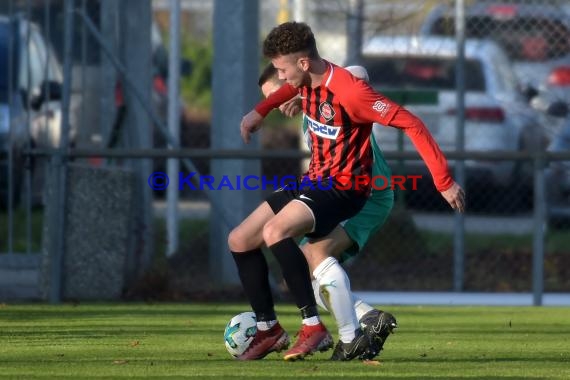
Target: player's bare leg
(296,218)
(245,242)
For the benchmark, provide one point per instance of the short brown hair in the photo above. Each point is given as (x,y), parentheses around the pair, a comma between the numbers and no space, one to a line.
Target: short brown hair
(268,73)
(288,38)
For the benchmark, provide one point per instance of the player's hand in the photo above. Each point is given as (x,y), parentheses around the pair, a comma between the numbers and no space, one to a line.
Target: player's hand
(455,196)
(250,123)
(291,107)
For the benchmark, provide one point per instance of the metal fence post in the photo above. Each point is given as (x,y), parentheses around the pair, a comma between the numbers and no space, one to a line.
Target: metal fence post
(135,48)
(235,71)
(57,217)
(459,231)
(300,10)
(354,32)
(173,164)
(539,223)
(108,112)
(10,205)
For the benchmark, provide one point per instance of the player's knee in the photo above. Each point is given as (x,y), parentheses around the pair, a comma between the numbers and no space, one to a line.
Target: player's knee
(272,233)
(237,241)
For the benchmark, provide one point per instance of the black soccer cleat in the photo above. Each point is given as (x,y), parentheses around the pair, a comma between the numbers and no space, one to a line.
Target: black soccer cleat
(377,326)
(348,351)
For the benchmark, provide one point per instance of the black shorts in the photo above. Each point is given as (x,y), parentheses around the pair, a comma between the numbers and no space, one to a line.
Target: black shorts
(329,205)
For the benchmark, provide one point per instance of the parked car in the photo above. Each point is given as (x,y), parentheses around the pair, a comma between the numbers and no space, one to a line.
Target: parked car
(419,72)
(536,37)
(30,93)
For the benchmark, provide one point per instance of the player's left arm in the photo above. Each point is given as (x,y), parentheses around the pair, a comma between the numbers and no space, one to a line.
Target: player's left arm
(367,106)
(432,155)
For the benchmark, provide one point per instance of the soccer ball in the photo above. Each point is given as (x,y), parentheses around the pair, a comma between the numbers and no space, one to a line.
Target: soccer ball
(239,333)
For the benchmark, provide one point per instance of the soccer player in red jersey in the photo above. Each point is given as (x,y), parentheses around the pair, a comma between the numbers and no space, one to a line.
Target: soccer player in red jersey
(340,111)
(354,317)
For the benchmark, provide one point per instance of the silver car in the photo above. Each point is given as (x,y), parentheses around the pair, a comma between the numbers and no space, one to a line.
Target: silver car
(535,36)
(30,107)
(419,72)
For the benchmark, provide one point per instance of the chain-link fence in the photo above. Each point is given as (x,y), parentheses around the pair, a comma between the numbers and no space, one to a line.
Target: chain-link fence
(488,89)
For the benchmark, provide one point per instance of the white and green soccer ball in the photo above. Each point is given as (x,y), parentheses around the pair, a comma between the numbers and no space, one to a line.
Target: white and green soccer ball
(239,333)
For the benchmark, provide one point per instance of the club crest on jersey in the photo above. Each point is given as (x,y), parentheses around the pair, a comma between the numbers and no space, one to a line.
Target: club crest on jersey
(323,130)
(326,110)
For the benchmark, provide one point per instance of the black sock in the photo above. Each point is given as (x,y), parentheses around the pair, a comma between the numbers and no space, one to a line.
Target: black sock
(296,273)
(254,276)
(309,311)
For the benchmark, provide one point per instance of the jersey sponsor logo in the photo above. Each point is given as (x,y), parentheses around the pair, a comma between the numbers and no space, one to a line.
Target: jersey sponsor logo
(381,107)
(326,110)
(323,130)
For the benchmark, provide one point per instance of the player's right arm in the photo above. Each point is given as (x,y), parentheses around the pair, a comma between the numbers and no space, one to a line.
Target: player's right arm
(251,122)
(282,95)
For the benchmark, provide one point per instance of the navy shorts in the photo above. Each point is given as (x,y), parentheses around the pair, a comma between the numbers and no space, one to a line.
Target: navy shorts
(329,205)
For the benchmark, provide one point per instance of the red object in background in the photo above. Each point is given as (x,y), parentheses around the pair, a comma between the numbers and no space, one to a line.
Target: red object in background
(95,161)
(119,98)
(502,11)
(422,70)
(158,85)
(534,48)
(559,76)
(486,114)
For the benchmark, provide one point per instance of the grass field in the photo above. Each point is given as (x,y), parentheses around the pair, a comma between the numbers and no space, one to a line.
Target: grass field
(169,341)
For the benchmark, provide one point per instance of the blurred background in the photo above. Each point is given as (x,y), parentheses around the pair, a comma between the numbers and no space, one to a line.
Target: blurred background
(98,95)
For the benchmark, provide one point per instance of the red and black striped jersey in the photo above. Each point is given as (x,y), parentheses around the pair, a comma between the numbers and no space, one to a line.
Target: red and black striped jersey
(339,134)
(340,143)
(340,113)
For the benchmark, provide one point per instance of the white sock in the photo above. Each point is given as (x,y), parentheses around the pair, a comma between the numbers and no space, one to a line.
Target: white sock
(361,307)
(318,296)
(265,325)
(312,321)
(335,288)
